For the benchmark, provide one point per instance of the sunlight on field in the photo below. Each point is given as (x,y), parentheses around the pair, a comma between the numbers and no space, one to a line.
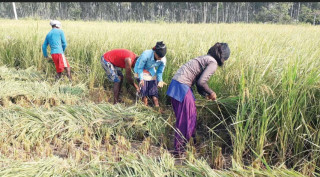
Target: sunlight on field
(266,116)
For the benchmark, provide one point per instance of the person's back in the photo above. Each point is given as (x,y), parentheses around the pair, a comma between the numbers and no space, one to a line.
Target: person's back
(113,62)
(147,55)
(57,41)
(55,38)
(117,57)
(188,73)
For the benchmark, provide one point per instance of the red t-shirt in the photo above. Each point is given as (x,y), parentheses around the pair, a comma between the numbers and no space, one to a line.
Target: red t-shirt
(117,56)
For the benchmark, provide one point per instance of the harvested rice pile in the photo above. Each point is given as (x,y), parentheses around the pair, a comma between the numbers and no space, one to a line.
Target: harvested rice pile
(28,88)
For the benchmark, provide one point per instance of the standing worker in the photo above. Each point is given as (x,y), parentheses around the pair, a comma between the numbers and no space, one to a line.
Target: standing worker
(197,71)
(112,62)
(57,41)
(146,64)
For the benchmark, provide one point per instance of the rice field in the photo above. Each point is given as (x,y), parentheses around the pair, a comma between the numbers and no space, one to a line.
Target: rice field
(264,123)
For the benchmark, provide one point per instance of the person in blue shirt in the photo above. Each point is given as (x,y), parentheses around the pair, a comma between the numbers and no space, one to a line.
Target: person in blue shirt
(148,77)
(57,41)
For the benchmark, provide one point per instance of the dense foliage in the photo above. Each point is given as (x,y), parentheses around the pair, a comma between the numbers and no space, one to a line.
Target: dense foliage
(191,12)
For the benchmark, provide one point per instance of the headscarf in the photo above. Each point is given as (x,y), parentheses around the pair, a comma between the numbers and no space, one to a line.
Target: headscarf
(56,23)
(220,51)
(160,49)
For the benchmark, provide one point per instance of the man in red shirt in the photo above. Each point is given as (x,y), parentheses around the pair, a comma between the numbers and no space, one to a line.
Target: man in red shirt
(112,62)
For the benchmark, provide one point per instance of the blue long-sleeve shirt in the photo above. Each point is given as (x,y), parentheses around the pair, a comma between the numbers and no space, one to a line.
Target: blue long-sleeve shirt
(146,61)
(57,41)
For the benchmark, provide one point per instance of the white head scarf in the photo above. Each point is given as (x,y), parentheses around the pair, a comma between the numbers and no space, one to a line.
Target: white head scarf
(55,22)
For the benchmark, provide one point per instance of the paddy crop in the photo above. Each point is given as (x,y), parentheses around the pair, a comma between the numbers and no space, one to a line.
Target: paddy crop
(266,116)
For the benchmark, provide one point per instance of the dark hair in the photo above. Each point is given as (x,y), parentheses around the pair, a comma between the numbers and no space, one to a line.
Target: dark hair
(160,49)
(54,26)
(219,51)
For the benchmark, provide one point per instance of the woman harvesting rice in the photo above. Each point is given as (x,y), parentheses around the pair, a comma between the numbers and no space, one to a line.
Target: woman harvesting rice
(197,71)
(145,65)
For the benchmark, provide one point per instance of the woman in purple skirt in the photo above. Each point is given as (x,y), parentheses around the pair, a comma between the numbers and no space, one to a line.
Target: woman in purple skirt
(197,71)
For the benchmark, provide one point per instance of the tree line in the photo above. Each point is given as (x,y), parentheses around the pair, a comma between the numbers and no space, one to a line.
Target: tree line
(190,12)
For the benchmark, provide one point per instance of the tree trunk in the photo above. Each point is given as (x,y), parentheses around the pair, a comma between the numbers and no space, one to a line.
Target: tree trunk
(204,12)
(217,14)
(248,12)
(100,13)
(233,17)
(227,12)
(59,13)
(223,9)
(14,10)
(291,13)
(298,12)
(120,9)
(239,14)
(130,11)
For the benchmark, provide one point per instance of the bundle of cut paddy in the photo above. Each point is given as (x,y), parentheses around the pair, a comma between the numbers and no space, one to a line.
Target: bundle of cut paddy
(69,120)
(29,93)
(134,165)
(29,74)
(87,127)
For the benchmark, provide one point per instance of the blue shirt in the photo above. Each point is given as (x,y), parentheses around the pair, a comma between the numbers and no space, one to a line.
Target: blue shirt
(178,90)
(146,61)
(57,41)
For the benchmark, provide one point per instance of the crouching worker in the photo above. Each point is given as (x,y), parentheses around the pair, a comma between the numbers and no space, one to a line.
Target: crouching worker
(145,66)
(197,71)
(57,41)
(112,62)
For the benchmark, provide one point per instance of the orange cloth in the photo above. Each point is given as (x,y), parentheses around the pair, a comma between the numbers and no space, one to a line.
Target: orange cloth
(60,62)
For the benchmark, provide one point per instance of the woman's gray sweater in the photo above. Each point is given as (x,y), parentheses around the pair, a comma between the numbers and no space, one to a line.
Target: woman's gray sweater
(199,71)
